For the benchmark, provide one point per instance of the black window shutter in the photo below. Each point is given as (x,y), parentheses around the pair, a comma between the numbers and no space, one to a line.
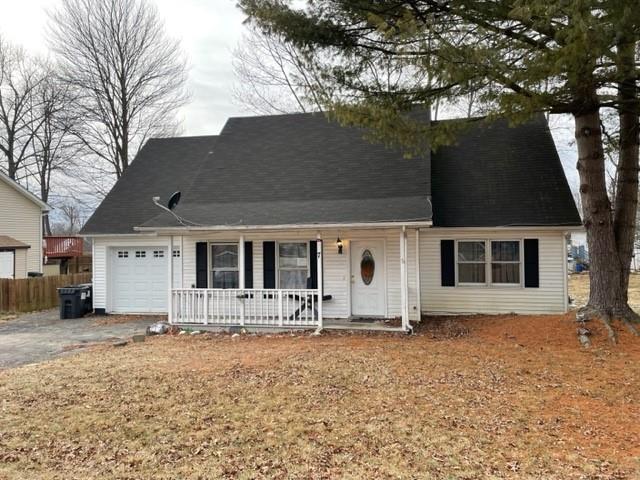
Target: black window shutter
(248,264)
(202,265)
(447,263)
(313,265)
(531,263)
(269,264)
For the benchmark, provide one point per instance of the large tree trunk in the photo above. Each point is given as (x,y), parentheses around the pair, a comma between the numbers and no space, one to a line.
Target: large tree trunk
(608,270)
(626,200)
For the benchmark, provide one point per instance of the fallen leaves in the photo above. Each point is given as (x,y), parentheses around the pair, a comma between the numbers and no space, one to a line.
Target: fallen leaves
(335,406)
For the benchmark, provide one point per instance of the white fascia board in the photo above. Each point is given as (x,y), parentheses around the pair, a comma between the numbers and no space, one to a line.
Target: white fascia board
(303,226)
(118,235)
(559,228)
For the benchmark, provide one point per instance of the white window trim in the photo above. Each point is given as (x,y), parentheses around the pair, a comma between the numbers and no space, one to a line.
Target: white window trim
(306,242)
(210,262)
(488,283)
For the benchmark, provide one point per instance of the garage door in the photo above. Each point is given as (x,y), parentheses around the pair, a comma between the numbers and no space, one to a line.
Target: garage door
(139,280)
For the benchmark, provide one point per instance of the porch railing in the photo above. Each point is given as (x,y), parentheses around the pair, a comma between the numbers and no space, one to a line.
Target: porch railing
(62,246)
(245,307)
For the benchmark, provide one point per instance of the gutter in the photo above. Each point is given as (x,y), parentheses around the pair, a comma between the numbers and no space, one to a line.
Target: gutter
(560,228)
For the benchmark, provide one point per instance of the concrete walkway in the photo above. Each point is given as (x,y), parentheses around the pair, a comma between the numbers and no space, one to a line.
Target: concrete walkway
(39,336)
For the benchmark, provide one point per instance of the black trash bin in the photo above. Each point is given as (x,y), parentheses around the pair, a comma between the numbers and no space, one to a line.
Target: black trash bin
(75,301)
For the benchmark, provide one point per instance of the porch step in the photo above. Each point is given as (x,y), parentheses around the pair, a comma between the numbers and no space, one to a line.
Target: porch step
(361,326)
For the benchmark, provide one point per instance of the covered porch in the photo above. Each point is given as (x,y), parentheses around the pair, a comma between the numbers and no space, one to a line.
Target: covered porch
(218,299)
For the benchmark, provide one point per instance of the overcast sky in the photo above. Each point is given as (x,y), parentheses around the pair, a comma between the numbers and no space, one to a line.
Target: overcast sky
(209,31)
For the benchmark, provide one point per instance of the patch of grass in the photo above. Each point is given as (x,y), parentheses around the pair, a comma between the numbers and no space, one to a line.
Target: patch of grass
(579,289)
(515,397)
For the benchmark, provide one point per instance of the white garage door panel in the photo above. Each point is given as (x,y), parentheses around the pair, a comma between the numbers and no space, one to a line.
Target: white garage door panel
(138,280)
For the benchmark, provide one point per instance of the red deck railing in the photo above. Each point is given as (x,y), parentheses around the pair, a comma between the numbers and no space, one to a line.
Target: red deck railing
(62,247)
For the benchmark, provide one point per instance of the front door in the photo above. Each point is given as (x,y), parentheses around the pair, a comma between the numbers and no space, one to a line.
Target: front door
(7,263)
(368,279)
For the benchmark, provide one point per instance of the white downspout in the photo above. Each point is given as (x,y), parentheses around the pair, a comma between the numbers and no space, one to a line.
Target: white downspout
(170,271)
(404,280)
(418,287)
(565,280)
(320,281)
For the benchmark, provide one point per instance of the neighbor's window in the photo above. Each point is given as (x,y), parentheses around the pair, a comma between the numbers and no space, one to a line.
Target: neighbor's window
(292,265)
(471,262)
(505,261)
(224,265)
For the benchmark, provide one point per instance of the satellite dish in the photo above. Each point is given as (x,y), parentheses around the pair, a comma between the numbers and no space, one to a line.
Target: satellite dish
(173,200)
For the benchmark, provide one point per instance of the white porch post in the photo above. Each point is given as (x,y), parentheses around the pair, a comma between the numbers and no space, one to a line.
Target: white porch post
(241,280)
(320,275)
(170,283)
(404,297)
(418,286)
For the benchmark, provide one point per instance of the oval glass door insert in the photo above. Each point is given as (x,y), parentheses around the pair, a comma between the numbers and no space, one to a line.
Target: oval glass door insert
(367,267)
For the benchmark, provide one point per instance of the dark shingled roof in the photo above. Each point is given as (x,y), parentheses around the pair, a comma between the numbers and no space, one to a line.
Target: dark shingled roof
(274,170)
(163,166)
(496,175)
(302,169)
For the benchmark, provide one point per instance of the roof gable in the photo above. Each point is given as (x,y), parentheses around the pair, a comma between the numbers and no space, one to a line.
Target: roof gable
(6,180)
(501,175)
(163,166)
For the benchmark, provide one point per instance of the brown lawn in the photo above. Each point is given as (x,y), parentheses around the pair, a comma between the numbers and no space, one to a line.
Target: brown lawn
(467,398)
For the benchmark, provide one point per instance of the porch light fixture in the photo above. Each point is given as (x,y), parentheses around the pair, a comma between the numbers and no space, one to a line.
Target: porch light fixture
(339,244)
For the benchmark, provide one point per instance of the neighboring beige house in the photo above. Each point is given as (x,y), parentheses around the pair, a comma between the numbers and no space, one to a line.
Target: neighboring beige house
(20,230)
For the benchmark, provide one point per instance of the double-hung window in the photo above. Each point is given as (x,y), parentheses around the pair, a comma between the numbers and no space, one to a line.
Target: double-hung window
(505,261)
(224,265)
(472,262)
(293,265)
(488,262)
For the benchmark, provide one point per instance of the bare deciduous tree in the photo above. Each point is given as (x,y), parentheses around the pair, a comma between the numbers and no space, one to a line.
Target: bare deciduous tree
(19,79)
(54,146)
(273,77)
(128,76)
(70,219)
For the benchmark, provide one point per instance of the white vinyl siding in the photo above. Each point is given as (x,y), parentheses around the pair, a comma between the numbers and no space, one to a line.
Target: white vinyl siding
(550,297)
(20,218)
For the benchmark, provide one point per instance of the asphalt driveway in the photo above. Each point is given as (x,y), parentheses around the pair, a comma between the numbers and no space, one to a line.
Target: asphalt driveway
(34,337)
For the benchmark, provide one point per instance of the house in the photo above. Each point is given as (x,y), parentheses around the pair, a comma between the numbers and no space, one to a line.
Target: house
(293,221)
(20,230)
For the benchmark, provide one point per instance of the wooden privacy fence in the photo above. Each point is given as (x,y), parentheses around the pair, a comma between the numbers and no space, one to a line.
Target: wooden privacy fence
(38,293)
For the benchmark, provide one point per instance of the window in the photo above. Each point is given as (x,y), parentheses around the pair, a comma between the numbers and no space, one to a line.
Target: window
(141,254)
(158,254)
(498,259)
(292,265)
(224,265)
(123,254)
(505,262)
(367,267)
(176,253)
(471,262)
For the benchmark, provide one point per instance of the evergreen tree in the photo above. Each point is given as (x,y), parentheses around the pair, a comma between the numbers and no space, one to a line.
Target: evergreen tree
(519,58)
